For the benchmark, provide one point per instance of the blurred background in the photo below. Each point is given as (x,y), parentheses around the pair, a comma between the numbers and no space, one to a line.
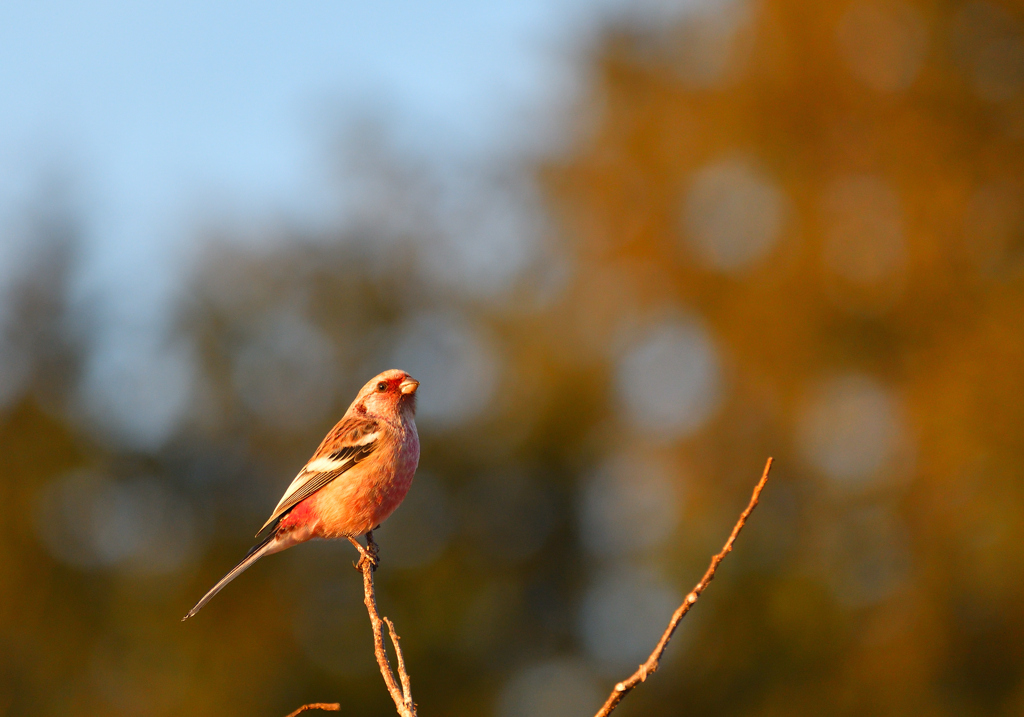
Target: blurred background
(629,249)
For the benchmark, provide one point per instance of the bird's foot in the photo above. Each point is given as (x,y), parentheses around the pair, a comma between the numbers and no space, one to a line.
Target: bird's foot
(367,555)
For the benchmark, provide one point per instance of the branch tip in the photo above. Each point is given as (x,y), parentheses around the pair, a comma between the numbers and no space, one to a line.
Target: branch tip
(325,706)
(651,665)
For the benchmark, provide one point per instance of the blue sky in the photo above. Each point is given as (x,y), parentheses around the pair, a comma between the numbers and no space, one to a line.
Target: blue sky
(165,118)
(158,112)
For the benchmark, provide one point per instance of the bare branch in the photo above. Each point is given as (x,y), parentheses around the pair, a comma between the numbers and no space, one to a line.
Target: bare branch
(325,706)
(367,564)
(402,697)
(651,665)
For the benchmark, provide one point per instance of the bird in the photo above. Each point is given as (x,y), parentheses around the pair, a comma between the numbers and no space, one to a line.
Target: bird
(356,478)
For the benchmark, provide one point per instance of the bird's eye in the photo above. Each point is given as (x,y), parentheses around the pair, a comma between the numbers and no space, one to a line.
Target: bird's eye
(382,386)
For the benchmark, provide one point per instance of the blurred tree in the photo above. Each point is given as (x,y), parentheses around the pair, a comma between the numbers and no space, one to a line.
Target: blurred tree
(829,189)
(787,228)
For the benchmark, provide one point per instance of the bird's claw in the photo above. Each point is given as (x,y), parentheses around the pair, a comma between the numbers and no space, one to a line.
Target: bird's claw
(367,555)
(371,554)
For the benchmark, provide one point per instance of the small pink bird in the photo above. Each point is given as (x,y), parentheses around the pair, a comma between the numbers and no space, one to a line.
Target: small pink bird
(354,481)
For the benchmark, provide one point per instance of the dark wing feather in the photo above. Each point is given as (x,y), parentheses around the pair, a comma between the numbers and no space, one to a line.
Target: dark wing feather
(353,440)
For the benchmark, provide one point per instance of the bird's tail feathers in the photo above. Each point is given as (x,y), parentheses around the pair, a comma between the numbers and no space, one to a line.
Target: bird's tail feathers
(255,553)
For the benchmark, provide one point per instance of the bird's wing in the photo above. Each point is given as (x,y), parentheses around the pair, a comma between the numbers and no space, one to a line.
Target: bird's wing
(351,441)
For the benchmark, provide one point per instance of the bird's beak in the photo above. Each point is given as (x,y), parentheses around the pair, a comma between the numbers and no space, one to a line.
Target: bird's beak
(408,386)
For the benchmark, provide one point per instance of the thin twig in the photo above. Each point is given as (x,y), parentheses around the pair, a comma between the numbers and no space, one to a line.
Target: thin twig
(370,600)
(651,665)
(402,674)
(402,697)
(325,706)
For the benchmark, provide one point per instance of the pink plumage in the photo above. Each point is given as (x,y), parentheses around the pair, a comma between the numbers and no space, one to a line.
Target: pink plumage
(356,478)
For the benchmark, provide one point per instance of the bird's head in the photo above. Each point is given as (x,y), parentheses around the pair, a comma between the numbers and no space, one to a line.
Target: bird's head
(388,393)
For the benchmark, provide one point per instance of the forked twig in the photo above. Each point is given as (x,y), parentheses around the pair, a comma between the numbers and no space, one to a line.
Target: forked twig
(403,675)
(402,696)
(651,665)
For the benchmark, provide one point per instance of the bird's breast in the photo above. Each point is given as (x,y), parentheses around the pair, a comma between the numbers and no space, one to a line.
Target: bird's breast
(365,496)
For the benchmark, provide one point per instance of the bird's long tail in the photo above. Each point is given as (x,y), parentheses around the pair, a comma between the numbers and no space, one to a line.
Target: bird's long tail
(265,546)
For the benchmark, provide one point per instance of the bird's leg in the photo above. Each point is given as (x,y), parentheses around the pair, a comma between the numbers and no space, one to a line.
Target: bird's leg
(369,553)
(373,549)
(364,555)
